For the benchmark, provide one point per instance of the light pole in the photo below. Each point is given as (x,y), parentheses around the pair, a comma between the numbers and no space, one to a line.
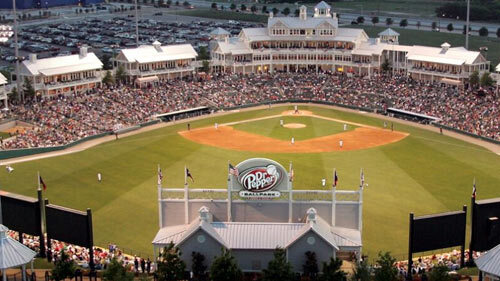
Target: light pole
(136,25)
(467,26)
(16,52)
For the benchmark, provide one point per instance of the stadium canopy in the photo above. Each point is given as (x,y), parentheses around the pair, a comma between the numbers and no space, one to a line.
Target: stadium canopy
(489,263)
(13,253)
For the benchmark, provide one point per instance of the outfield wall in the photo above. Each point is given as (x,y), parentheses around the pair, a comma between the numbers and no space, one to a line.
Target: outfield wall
(7,154)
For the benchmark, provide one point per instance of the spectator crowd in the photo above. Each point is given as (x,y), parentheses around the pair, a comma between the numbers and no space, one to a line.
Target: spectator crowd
(64,119)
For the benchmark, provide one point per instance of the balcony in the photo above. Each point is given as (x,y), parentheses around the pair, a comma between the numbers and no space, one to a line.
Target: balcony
(61,84)
(440,73)
(160,71)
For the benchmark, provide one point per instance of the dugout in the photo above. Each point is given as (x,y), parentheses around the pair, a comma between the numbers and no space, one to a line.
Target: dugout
(411,116)
(183,114)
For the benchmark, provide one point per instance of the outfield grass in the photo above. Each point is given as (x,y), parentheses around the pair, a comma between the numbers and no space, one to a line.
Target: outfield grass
(435,39)
(424,8)
(315,127)
(424,173)
(223,15)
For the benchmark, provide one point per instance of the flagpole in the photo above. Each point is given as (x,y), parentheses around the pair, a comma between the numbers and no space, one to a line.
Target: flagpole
(186,197)
(41,205)
(472,236)
(38,178)
(334,197)
(159,187)
(229,197)
(290,193)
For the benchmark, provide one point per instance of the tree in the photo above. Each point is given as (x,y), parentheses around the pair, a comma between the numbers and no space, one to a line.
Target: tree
(375,20)
(332,271)
(186,4)
(360,19)
(449,27)
(486,79)
(498,32)
(264,9)
(278,268)
(214,5)
(275,11)
(120,74)
(361,272)
(419,24)
(203,53)
(205,66)
(232,7)
(225,268)
(106,62)
(388,21)
(439,273)
(483,31)
(297,12)
(115,271)
(243,7)
(286,11)
(386,270)
(253,9)
(13,94)
(434,25)
(64,268)
(108,78)
(29,91)
(310,267)
(403,23)
(199,267)
(474,78)
(177,3)
(170,267)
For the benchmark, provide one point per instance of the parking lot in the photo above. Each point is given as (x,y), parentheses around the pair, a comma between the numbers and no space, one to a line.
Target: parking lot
(108,33)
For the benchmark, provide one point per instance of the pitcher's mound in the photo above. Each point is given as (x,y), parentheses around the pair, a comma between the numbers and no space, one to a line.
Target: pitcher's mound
(294,125)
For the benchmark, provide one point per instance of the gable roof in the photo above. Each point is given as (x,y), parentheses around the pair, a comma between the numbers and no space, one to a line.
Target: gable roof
(498,68)
(322,5)
(455,56)
(149,53)
(219,31)
(293,22)
(388,32)
(490,262)
(3,80)
(320,227)
(62,65)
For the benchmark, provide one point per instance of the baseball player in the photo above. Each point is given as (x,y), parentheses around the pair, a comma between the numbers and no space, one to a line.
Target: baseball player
(293,140)
(341,143)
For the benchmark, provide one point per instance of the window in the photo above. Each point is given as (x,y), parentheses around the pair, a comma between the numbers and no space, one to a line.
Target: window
(311,240)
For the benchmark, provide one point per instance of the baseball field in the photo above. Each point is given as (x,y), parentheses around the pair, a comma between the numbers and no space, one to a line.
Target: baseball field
(407,169)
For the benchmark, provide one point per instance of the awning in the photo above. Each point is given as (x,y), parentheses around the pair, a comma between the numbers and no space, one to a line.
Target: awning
(13,253)
(148,79)
(451,81)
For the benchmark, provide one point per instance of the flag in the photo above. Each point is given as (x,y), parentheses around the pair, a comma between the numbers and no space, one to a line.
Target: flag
(44,186)
(160,175)
(233,171)
(474,189)
(188,174)
(362,178)
(335,179)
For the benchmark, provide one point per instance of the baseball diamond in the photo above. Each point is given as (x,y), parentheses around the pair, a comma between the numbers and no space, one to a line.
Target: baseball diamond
(421,171)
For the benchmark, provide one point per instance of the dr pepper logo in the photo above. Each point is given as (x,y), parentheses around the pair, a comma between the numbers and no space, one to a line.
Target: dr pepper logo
(259,179)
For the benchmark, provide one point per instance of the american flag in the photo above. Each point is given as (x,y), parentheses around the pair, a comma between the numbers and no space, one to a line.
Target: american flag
(474,189)
(362,178)
(335,179)
(160,176)
(188,175)
(233,171)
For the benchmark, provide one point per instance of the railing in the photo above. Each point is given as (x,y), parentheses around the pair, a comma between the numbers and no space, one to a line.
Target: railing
(50,86)
(439,73)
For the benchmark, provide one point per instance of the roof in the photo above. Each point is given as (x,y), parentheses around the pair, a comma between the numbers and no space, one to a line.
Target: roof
(13,253)
(257,235)
(322,5)
(233,46)
(498,68)
(490,262)
(63,64)
(149,53)
(456,56)
(388,32)
(294,22)
(219,31)
(3,80)
(343,34)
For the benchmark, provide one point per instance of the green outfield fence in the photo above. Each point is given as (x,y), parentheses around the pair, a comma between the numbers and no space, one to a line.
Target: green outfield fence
(7,154)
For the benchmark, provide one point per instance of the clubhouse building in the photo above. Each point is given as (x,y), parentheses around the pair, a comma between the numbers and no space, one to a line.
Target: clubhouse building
(258,212)
(149,64)
(3,91)
(317,43)
(64,75)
